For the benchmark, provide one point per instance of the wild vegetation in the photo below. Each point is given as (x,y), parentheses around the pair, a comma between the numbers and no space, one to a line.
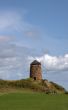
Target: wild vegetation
(37,86)
(27,94)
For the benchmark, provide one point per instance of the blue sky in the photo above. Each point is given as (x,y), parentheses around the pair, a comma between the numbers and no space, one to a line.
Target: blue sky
(34,29)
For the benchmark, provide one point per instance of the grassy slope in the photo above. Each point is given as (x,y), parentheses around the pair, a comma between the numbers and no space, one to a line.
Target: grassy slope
(27,95)
(39,86)
(33,101)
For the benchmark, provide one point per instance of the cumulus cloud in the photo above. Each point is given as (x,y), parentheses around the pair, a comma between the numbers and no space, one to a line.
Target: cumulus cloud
(52,63)
(13,61)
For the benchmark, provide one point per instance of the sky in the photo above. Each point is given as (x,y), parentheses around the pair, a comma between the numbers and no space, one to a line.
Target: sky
(34,29)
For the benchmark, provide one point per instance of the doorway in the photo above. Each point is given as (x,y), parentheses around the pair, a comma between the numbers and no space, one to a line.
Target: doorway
(34,78)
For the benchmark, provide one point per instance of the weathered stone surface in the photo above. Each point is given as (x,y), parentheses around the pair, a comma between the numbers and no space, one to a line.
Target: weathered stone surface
(35,70)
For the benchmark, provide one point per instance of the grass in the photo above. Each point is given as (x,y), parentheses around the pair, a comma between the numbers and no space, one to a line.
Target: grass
(27,94)
(33,101)
(38,86)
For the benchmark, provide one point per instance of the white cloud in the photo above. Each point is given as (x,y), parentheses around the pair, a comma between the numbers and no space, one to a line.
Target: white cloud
(52,63)
(13,61)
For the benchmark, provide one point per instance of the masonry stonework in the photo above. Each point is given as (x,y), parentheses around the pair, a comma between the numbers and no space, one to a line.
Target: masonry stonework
(35,70)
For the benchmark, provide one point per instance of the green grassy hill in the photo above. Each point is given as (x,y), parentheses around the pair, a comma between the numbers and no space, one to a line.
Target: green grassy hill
(31,85)
(27,94)
(33,101)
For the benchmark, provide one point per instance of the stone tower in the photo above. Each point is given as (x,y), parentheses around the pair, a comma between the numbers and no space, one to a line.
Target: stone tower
(35,70)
